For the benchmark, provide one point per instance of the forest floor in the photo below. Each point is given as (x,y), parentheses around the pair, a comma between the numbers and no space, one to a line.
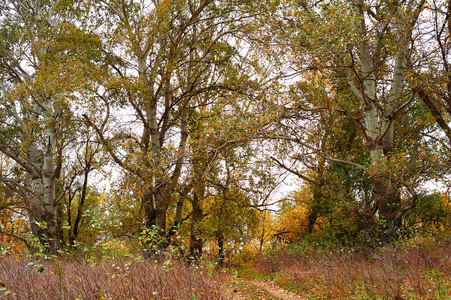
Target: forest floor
(411,272)
(244,286)
(261,289)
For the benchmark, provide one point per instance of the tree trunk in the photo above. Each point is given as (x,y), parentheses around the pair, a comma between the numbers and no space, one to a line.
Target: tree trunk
(155,209)
(81,205)
(43,218)
(42,206)
(380,122)
(221,252)
(388,205)
(196,241)
(149,209)
(161,208)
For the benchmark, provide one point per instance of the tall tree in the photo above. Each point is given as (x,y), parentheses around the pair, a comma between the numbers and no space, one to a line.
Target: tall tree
(366,45)
(163,55)
(39,69)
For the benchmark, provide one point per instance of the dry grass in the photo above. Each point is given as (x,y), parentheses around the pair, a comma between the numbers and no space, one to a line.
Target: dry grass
(410,273)
(106,280)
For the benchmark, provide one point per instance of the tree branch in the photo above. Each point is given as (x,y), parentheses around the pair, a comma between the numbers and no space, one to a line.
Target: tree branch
(295,172)
(318,152)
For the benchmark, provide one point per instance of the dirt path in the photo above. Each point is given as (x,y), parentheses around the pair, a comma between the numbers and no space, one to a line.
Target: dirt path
(260,289)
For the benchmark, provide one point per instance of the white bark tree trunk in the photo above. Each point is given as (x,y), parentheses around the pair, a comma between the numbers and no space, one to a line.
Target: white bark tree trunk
(379,116)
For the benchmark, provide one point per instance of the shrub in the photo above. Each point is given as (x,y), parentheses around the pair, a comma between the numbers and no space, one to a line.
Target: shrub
(115,279)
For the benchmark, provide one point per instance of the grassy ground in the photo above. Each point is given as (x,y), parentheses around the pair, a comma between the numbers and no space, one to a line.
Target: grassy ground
(408,272)
(415,272)
(56,279)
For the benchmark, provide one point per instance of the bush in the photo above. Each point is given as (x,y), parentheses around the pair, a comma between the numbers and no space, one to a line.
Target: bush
(115,279)
(412,271)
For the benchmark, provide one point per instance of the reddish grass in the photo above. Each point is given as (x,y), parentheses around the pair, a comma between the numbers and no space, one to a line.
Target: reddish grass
(410,273)
(107,280)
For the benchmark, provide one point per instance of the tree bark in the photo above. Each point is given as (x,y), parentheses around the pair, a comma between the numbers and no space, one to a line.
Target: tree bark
(196,240)
(221,250)
(388,205)
(380,118)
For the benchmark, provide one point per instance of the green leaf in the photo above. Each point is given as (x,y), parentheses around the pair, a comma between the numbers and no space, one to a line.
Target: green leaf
(40,269)
(7,293)
(2,284)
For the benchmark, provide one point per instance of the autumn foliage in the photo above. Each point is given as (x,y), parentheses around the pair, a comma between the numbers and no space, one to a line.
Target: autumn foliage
(220,133)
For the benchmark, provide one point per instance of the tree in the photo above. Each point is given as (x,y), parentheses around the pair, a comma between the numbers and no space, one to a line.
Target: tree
(40,69)
(163,56)
(367,46)
(431,81)
(82,158)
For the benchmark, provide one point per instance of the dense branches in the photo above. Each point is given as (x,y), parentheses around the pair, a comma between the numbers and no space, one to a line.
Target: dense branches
(188,107)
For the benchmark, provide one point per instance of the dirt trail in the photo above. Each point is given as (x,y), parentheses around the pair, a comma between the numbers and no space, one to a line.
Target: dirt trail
(269,288)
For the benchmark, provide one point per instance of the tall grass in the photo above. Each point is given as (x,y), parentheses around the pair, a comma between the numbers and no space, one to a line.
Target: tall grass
(57,279)
(407,273)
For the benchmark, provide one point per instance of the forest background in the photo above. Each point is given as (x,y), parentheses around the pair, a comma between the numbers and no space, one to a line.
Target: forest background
(155,127)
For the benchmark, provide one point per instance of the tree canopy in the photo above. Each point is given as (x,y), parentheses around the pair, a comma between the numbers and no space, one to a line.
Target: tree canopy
(178,124)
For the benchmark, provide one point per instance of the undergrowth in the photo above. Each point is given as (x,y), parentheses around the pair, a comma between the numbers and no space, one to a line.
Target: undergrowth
(113,279)
(405,272)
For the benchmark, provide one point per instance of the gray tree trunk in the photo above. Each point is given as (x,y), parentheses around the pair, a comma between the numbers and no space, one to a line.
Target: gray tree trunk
(379,113)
